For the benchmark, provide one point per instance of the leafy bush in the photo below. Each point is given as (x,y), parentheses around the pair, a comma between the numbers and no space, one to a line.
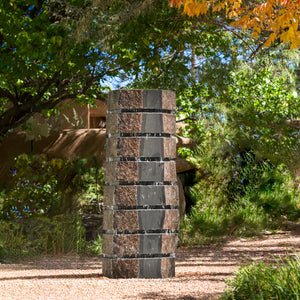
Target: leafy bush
(12,241)
(39,213)
(95,247)
(244,158)
(260,281)
(49,187)
(41,235)
(254,199)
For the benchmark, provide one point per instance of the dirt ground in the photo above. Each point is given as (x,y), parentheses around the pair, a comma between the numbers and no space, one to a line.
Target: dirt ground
(200,273)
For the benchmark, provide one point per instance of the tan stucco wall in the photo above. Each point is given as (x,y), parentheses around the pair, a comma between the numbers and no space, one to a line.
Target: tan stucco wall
(68,143)
(99,110)
(85,113)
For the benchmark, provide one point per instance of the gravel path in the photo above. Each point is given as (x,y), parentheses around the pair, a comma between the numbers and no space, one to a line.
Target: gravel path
(199,273)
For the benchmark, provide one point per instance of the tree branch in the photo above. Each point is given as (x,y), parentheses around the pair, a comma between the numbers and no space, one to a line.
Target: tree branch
(226,27)
(6,94)
(188,118)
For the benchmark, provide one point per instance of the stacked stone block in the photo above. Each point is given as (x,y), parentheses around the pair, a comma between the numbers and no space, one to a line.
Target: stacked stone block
(141,217)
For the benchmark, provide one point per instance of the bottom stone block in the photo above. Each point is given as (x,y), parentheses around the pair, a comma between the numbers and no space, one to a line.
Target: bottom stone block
(158,267)
(167,267)
(150,268)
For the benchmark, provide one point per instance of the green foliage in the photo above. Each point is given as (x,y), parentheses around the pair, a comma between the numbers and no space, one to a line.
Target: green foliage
(40,212)
(49,187)
(142,43)
(257,108)
(12,241)
(74,59)
(245,155)
(94,183)
(240,200)
(95,247)
(233,110)
(77,122)
(250,113)
(260,281)
(84,44)
(40,209)
(41,235)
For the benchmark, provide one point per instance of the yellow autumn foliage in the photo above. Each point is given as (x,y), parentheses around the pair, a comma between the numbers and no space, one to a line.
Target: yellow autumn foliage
(279,17)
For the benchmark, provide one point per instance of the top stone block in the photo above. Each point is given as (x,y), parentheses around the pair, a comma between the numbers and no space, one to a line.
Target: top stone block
(141,99)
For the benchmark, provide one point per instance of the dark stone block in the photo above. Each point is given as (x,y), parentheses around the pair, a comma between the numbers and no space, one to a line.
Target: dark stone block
(169,243)
(151,147)
(168,100)
(150,268)
(152,123)
(107,267)
(126,195)
(150,195)
(151,219)
(150,244)
(152,99)
(125,244)
(167,267)
(125,268)
(130,99)
(151,171)
(130,122)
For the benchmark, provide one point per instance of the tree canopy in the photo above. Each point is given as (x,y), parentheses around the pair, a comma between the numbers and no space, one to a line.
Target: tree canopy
(56,50)
(42,59)
(69,49)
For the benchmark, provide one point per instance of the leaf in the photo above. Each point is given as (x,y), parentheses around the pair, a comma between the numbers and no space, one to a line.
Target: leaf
(270,40)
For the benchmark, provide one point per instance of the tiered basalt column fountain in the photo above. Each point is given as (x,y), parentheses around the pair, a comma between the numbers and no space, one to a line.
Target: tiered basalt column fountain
(141,217)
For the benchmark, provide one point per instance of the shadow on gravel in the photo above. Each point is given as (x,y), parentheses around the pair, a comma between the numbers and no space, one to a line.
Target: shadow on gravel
(62,276)
(221,257)
(158,296)
(64,262)
(190,275)
(234,254)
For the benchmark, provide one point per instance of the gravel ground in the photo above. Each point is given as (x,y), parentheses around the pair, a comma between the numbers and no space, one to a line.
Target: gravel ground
(200,273)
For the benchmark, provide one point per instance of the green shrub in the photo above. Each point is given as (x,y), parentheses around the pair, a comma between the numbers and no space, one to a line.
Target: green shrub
(245,155)
(50,187)
(39,212)
(13,243)
(94,248)
(41,235)
(252,198)
(264,282)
